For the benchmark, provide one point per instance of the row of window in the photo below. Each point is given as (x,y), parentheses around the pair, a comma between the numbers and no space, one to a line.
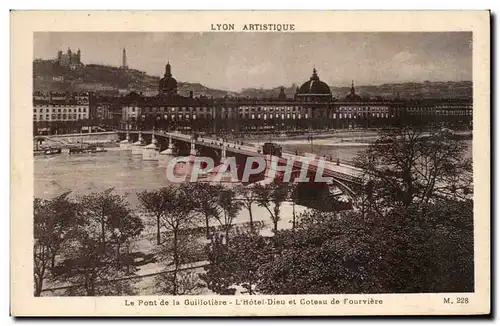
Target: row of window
(282,109)
(63,103)
(282,116)
(427,109)
(443,112)
(49,110)
(54,117)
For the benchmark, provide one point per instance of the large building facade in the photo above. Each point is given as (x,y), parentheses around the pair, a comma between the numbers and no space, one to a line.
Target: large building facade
(312,107)
(61,107)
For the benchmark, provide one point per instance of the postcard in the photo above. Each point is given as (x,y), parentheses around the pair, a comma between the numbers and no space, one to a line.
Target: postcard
(250,163)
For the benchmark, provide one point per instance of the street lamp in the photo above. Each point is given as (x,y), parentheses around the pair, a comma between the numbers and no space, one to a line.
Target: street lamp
(310,138)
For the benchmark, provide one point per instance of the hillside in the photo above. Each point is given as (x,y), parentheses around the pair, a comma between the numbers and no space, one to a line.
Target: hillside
(48,76)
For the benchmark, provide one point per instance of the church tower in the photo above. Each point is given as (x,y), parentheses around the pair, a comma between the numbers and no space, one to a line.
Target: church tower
(167,85)
(282,95)
(124,59)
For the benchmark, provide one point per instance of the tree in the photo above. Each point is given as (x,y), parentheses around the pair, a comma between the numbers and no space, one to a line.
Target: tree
(407,167)
(220,272)
(206,196)
(294,197)
(230,208)
(93,253)
(435,244)
(124,225)
(53,222)
(236,263)
(249,251)
(88,263)
(179,215)
(351,253)
(153,202)
(273,194)
(247,198)
(41,248)
(322,255)
(187,282)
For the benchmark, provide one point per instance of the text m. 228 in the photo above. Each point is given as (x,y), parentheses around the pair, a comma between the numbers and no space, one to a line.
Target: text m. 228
(459,300)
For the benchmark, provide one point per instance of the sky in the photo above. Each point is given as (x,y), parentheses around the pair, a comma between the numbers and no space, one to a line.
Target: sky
(237,60)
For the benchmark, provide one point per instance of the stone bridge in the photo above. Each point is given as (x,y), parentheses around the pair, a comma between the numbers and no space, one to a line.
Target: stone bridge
(346,177)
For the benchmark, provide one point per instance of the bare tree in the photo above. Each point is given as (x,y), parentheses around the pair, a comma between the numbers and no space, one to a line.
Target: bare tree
(230,208)
(406,166)
(179,214)
(206,197)
(53,222)
(247,198)
(273,194)
(181,279)
(93,252)
(153,202)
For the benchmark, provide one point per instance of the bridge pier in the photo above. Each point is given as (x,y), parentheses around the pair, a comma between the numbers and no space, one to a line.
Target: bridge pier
(151,151)
(126,145)
(138,146)
(166,156)
(193,150)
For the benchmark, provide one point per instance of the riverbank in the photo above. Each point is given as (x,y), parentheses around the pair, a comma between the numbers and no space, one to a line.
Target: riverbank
(304,136)
(364,137)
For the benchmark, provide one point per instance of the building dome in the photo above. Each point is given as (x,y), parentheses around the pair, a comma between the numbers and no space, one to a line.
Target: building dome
(167,84)
(314,86)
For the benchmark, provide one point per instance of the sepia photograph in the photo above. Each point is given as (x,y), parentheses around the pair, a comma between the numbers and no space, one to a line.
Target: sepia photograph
(245,164)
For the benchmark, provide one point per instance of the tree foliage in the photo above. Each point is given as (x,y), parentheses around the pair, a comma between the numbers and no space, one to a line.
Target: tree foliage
(271,196)
(230,209)
(247,199)
(90,233)
(53,222)
(235,264)
(177,212)
(206,198)
(351,253)
(94,255)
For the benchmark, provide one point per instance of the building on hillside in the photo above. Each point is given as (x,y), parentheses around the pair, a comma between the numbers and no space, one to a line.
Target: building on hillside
(124,59)
(69,59)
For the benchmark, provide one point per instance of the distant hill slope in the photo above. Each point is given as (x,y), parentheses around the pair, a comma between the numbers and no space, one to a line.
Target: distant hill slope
(48,76)
(461,89)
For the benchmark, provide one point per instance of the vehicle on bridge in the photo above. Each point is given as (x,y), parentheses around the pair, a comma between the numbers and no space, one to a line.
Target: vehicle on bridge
(272,149)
